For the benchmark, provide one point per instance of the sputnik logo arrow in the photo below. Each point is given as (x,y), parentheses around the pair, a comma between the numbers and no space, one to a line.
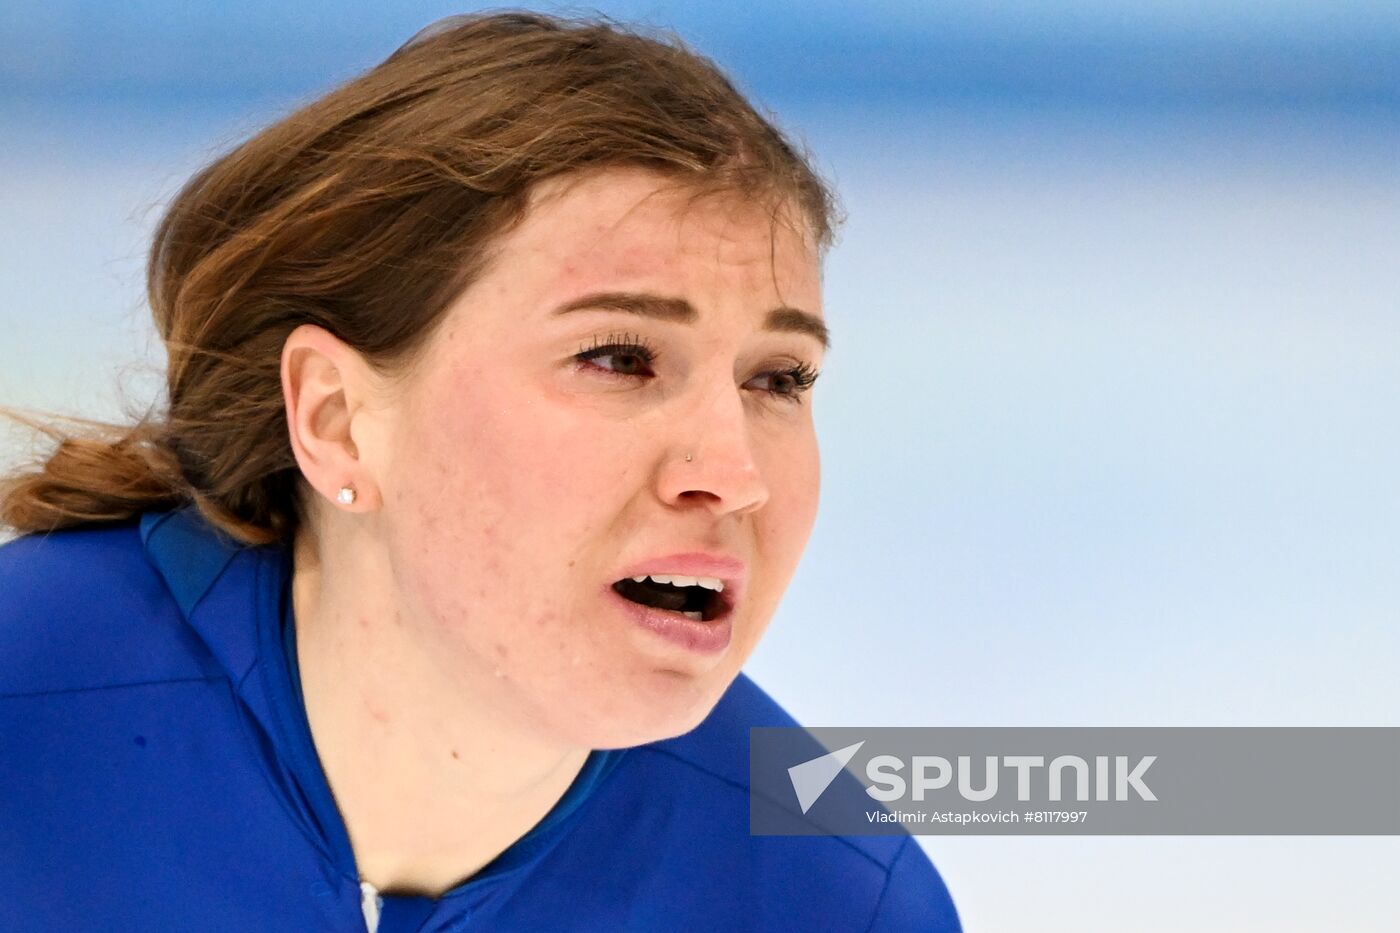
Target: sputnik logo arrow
(811,778)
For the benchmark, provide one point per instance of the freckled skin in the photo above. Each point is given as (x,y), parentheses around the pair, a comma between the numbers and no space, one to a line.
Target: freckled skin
(524,483)
(377,714)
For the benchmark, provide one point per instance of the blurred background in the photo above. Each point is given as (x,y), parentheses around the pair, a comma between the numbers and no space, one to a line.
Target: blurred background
(1109,428)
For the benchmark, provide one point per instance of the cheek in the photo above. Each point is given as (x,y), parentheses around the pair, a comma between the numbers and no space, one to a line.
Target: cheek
(449,503)
(797,491)
(785,524)
(506,485)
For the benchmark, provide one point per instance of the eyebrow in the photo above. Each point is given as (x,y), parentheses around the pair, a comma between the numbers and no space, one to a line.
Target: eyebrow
(680,311)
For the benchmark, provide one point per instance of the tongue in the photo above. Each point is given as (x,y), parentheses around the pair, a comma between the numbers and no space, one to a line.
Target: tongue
(650,593)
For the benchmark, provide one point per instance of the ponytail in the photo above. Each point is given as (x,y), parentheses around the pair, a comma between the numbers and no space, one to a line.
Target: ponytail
(103,473)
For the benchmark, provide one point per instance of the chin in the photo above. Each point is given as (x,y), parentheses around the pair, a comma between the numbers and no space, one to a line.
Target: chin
(655,715)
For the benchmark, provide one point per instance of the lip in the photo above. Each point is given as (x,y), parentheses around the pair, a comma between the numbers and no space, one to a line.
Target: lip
(730,570)
(710,637)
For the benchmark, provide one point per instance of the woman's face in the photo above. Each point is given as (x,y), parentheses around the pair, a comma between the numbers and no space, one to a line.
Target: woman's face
(537,455)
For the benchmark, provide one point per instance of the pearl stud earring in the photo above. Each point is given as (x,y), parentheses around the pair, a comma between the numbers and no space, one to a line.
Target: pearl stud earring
(347,495)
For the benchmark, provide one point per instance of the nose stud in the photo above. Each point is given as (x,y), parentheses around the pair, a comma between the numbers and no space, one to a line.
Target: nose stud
(687,458)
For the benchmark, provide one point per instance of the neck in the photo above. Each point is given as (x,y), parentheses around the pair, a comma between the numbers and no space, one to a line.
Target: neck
(434,778)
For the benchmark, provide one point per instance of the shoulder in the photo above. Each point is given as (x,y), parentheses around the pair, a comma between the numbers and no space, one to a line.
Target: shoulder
(695,793)
(83,609)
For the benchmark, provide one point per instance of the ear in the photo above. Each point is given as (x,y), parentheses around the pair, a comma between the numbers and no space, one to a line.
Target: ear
(323,387)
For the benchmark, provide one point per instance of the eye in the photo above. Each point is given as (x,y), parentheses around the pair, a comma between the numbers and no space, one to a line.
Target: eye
(789,384)
(625,356)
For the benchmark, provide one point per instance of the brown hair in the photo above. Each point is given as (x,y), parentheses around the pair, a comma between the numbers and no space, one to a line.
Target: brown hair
(366,212)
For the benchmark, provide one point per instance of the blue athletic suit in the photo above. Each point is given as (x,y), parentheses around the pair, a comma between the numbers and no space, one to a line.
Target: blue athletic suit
(157,773)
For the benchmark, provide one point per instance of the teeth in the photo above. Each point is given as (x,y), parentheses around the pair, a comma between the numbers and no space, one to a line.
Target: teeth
(709,583)
(693,615)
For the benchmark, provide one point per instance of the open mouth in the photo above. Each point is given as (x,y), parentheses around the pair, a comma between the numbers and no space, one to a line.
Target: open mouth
(694,598)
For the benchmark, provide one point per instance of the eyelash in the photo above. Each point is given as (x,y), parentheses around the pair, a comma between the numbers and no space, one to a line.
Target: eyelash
(803,375)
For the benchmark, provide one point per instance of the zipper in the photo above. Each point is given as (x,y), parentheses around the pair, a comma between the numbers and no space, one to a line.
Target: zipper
(370,903)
